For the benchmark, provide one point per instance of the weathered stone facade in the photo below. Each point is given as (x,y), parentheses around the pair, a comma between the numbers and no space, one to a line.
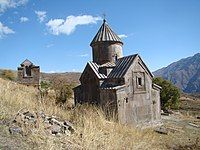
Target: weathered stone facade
(28,74)
(119,84)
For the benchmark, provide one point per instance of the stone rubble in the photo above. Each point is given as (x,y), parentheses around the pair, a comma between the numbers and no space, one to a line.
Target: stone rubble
(30,121)
(162,130)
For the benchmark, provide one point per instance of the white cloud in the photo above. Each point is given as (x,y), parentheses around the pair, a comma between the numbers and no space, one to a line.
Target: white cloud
(123,36)
(24,19)
(49,45)
(4,30)
(51,71)
(41,15)
(6,4)
(84,55)
(55,71)
(68,26)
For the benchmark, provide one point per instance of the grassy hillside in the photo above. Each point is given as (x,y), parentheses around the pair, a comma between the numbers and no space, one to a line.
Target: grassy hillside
(6,73)
(69,77)
(92,130)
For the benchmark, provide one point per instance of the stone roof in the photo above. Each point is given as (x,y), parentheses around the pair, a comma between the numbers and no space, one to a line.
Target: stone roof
(105,33)
(123,64)
(95,67)
(27,63)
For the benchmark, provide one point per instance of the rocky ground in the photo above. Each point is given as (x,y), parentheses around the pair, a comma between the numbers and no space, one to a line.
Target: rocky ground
(14,133)
(42,125)
(182,127)
(182,132)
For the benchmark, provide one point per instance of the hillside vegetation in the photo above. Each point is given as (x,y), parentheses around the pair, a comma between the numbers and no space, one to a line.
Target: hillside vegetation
(169,95)
(92,129)
(184,73)
(68,77)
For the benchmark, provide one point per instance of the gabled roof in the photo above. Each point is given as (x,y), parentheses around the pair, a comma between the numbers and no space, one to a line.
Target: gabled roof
(105,33)
(123,64)
(27,63)
(147,69)
(95,68)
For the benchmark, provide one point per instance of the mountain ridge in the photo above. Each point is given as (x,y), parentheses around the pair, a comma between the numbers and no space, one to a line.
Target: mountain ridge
(184,73)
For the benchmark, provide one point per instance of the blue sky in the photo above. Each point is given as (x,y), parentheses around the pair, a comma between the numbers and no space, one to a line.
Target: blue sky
(56,34)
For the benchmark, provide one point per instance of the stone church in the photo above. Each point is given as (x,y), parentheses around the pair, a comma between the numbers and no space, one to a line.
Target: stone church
(119,84)
(28,74)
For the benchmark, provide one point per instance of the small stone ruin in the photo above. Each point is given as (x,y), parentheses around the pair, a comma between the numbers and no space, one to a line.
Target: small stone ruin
(28,122)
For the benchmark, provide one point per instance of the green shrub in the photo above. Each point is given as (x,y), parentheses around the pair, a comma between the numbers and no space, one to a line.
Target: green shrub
(63,90)
(169,95)
(45,85)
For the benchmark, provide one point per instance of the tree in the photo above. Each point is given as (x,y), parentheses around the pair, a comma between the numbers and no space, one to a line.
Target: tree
(8,74)
(169,95)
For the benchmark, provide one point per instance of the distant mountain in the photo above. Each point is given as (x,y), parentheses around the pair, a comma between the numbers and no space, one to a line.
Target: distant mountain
(184,73)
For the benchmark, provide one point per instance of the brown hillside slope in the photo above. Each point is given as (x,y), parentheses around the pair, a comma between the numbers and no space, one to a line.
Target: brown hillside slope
(69,77)
(92,130)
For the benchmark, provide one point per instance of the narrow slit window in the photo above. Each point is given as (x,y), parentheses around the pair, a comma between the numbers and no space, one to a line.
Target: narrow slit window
(116,58)
(126,99)
(140,81)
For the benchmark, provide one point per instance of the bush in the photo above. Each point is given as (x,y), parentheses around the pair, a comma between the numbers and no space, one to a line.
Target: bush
(63,90)
(45,85)
(44,88)
(8,74)
(169,95)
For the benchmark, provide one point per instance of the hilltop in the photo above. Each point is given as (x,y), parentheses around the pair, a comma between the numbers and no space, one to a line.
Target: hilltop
(184,73)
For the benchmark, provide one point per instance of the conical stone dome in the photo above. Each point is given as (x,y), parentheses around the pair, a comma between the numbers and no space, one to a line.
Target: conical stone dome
(105,34)
(106,45)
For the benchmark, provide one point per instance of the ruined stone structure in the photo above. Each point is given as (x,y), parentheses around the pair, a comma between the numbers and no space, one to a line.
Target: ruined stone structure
(28,74)
(119,84)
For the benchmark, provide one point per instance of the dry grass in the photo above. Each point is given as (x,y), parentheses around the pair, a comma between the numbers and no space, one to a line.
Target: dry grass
(93,131)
